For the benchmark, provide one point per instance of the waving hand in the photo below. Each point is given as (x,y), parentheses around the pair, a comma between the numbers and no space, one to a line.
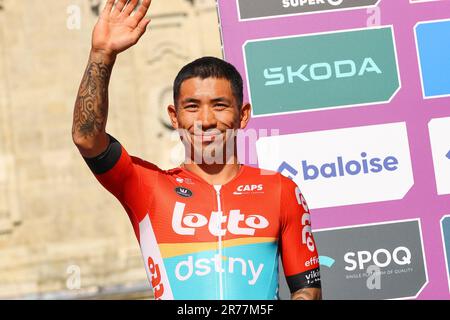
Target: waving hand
(117,29)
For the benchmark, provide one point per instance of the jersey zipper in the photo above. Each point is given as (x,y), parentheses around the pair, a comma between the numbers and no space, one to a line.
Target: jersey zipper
(219,210)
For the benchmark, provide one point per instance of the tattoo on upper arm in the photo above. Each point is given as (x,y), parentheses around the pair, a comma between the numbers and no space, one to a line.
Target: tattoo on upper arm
(91,106)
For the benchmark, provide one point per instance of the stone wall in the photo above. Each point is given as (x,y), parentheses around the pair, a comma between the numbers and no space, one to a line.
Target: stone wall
(61,234)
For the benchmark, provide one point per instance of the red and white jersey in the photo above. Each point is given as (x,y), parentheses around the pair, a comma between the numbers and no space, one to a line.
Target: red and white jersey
(202,241)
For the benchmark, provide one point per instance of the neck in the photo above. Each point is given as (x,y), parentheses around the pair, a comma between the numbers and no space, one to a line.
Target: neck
(214,173)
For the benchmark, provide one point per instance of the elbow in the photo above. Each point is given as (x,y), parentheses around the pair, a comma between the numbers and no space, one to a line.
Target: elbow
(84,144)
(90,146)
(80,140)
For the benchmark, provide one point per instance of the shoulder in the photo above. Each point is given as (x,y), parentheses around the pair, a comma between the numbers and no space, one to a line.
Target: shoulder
(259,172)
(150,169)
(271,177)
(144,165)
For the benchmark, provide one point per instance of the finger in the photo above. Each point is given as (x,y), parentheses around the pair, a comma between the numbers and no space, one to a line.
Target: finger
(140,29)
(108,7)
(129,8)
(142,11)
(118,8)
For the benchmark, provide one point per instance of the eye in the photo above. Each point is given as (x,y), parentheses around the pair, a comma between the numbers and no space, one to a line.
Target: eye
(220,106)
(190,106)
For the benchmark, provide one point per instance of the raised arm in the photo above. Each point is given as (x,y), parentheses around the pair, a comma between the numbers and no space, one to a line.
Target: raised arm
(116,31)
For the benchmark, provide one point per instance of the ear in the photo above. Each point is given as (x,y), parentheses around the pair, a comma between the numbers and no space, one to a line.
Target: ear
(245,115)
(172,111)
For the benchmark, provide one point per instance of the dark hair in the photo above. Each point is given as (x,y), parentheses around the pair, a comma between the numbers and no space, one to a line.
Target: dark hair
(210,67)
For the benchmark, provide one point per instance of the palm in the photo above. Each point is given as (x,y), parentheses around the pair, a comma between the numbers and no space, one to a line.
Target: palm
(113,34)
(116,30)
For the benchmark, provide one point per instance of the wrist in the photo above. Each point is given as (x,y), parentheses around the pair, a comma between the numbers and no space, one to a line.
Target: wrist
(103,56)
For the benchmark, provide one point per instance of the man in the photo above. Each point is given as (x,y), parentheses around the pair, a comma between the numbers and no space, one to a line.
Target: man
(210,228)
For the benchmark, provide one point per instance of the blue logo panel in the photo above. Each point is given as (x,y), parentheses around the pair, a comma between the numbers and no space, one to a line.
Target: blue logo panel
(434,52)
(247,272)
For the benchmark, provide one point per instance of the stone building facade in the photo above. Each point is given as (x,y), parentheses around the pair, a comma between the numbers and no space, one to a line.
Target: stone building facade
(62,236)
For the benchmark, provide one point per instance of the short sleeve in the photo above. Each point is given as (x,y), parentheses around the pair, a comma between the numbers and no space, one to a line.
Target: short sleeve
(122,175)
(298,249)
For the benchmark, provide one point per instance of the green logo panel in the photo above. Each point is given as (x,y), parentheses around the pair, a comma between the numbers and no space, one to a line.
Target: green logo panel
(321,71)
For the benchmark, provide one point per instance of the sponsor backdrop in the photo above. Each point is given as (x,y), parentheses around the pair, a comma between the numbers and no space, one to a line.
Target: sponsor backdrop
(360,94)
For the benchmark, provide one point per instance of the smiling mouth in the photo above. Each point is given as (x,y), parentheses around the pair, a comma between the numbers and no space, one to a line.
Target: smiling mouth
(206,138)
(209,138)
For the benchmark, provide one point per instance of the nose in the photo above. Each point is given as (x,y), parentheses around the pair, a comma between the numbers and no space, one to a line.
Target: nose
(207,118)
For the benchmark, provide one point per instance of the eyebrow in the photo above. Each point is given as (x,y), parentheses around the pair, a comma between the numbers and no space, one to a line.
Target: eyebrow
(219,99)
(189,100)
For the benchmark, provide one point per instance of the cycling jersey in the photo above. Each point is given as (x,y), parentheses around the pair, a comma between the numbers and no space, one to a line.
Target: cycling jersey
(200,241)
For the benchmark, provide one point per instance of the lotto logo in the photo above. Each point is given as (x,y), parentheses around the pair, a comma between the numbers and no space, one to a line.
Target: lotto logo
(307,236)
(158,287)
(154,265)
(187,224)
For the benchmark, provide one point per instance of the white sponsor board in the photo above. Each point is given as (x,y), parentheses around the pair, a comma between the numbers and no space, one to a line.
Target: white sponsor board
(344,166)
